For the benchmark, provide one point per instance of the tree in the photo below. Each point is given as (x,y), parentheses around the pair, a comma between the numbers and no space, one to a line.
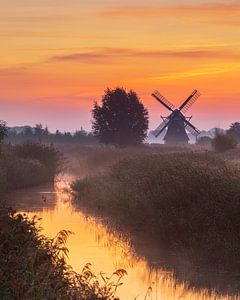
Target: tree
(224,142)
(28,132)
(234,131)
(121,120)
(45,131)
(39,131)
(3,130)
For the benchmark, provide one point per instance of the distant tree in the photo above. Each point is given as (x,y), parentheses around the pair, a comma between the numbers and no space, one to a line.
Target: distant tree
(224,142)
(80,133)
(3,130)
(58,133)
(121,120)
(217,131)
(46,131)
(204,140)
(28,132)
(234,131)
(39,131)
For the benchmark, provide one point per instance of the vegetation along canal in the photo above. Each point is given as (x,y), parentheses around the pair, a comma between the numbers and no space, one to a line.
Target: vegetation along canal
(92,242)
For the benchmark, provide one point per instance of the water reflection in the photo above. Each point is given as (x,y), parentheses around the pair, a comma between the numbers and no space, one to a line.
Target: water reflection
(92,242)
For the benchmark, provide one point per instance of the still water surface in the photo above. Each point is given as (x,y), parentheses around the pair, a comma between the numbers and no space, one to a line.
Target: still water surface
(93,243)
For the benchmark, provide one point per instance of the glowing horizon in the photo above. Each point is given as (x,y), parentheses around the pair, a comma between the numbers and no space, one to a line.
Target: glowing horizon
(57,58)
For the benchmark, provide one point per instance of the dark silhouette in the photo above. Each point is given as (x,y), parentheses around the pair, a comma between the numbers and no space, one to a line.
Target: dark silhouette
(41,134)
(176,123)
(204,140)
(3,130)
(224,142)
(121,120)
(234,131)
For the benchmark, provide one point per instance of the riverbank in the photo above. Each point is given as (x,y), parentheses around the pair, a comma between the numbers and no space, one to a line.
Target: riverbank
(26,165)
(188,201)
(34,266)
(108,249)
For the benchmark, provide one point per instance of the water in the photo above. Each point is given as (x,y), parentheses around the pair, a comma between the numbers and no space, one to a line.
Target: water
(93,243)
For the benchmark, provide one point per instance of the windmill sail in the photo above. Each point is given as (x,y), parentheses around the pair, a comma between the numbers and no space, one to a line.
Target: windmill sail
(176,123)
(192,129)
(163,100)
(160,128)
(189,102)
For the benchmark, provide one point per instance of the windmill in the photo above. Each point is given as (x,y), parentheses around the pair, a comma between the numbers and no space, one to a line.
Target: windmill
(176,124)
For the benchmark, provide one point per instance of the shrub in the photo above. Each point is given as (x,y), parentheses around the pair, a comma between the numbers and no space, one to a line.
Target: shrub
(49,156)
(223,142)
(18,173)
(234,131)
(27,165)
(33,266)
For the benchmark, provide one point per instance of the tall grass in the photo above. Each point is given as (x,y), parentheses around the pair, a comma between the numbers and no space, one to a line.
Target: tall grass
(91,160)
(186,200)
(34,267)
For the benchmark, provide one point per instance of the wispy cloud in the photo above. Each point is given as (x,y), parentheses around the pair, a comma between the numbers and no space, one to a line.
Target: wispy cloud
(101,55)
(149,11)
(225,14)
(208,71)
(12,71)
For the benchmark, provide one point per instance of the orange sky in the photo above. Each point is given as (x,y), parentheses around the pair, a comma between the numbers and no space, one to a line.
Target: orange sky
(58,56)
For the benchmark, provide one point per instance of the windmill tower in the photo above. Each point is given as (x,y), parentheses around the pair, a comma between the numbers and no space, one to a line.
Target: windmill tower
(176,124)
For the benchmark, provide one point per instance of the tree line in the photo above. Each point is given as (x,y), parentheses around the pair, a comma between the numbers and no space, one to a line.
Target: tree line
(120,119)
(40,134)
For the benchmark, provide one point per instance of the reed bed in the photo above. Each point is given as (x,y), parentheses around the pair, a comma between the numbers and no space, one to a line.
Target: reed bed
(186,200)
(91,160)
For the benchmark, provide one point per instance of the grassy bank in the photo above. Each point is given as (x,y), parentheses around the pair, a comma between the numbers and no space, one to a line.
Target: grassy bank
(186,200)
(84,161)
(26,165)
(34,267)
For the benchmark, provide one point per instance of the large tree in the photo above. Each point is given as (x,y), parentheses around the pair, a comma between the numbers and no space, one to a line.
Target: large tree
(121,119)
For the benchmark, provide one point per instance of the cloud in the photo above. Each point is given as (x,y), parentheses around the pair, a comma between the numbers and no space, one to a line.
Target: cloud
(149,11)
(195,73)
(225,14)
(82,57)
(12,71)
(102,55)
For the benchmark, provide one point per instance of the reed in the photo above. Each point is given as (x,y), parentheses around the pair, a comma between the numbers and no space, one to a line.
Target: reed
(186,200)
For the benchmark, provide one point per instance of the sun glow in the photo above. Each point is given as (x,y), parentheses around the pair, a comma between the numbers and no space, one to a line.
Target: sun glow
(57,55)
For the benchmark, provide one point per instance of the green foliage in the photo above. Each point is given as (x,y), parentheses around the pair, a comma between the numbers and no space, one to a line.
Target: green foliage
(234,131)
(33,266)
(187,200)
(223,142)
(121,120)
